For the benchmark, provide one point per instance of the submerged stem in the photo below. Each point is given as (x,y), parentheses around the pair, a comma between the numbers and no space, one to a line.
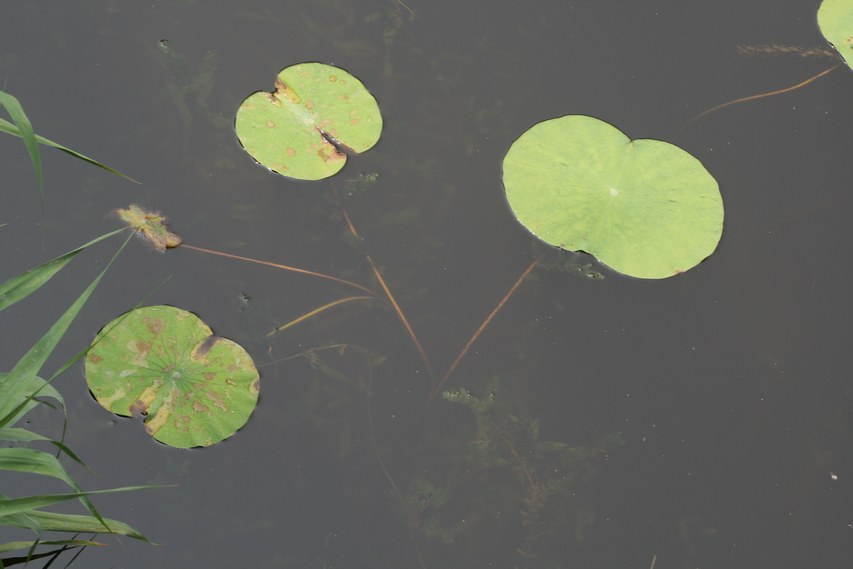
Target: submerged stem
(316,311)
(482,327)
(760,96)
(391,298)
(280,266)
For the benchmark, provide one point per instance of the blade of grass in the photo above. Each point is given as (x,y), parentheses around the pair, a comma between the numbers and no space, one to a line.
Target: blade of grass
(316,311)
(391,298)
(9,128)
(24,560)
(34,461)
(18,545)
(15,434)
(25,131)
(482,327)
(9,506)
(30,364)
(19,287)
(18,406)
(278,266)
(75,523)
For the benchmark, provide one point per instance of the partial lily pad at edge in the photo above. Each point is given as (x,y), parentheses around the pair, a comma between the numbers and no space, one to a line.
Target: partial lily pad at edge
(645,208)
(316,117)
(163,363)
(835,19)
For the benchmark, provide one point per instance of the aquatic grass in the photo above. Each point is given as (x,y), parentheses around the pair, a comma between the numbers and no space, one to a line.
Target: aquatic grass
(23,128)
(19,287)
(25,131)
(21,390)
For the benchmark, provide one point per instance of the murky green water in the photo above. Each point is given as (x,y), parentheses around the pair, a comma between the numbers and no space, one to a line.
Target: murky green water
(701,421)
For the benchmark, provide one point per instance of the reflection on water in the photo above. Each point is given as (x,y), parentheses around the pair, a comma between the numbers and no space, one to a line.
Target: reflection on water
(701,421)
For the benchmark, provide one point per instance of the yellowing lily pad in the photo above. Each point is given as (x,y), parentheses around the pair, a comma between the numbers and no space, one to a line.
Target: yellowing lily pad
(164,364)
(151,226)
(316,117)
(835,19)
(645,208)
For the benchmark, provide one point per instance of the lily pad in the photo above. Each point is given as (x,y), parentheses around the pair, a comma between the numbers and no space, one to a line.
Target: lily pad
(645,208)
(316,117)
(164,364)
(835,19)
(151,226)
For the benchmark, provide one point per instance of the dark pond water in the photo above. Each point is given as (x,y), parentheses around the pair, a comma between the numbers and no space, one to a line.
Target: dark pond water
(700,421)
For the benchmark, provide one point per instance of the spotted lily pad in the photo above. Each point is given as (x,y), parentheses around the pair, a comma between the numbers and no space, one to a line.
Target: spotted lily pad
(316,117)
(835,19)
(645,208)
(164,364)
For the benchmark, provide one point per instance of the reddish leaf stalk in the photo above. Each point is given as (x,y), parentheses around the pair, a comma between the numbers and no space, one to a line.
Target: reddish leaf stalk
(482,327)
(391,298)
(280,266)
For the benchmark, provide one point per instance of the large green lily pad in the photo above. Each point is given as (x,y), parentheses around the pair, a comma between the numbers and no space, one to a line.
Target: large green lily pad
(306,128)
(835,18)
(645,208)
(163,363)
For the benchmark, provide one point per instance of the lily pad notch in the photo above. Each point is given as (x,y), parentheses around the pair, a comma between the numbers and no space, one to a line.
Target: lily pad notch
(645,208)
(316,117)
(162,363)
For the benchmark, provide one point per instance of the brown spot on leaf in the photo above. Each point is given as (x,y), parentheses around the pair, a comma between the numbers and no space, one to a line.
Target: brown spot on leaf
(329,153)
(270,124)
(290,151)
(154,325)
(209,375)
(216,400)
(143,347)
(255,386)
(95,359)
(200,407)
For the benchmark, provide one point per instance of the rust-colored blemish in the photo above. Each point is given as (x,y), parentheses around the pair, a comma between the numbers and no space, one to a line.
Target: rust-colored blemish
(95,359)
(329,153)
(290,151)
(353,121)
(200,407)
(154,325)
(216,400)
(255,386)
(143,347)
(270,124)
(332,78)
(209,375)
